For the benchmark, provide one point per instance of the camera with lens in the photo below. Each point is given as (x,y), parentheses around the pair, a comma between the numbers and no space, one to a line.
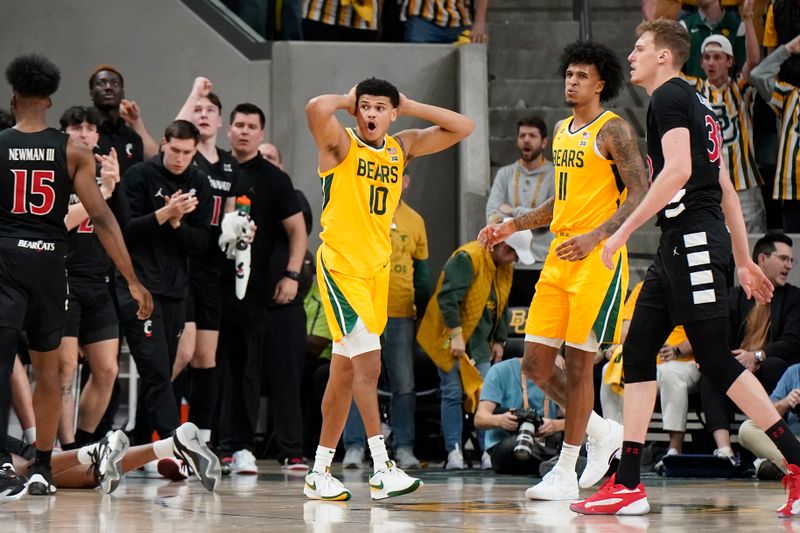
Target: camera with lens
(529,423)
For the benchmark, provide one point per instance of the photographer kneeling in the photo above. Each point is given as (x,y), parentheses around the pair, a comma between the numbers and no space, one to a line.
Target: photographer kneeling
(520,435)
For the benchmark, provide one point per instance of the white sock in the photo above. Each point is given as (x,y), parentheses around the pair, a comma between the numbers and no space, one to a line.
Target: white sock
(323,459)
(29,435)
(568,458)
(83,454)
(205,435)
(164,449)
(377,448)
(597,427)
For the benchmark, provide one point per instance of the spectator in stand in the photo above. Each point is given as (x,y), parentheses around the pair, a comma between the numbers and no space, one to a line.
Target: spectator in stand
(732,101)
(466,318)
(777,80)
(340,20)
(517,189)
(271,153)
(409,290)
(783,23)
(443,21)
(502,393)
(765,338)
(769,463)
(711,19)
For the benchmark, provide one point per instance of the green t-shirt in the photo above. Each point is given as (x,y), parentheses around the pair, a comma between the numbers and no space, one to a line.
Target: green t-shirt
(316,323)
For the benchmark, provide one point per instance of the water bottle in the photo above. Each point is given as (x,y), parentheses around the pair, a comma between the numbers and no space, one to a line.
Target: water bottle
(241,257)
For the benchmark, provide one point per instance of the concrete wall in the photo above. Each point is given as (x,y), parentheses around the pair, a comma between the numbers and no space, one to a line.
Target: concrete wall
(160,46)
(427,73)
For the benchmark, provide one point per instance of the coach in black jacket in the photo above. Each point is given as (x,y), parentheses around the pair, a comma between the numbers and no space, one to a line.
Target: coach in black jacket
(171,210)
(769,359)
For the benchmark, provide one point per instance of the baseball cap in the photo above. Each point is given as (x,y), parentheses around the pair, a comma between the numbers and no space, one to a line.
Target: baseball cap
(520,241)
(719,40)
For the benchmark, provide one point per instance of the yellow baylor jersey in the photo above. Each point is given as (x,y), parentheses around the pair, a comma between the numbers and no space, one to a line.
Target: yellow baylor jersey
(359,198)
(588,187)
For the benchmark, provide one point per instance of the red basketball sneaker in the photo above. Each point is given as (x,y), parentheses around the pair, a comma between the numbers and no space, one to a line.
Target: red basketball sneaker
(791,481)
(614,499)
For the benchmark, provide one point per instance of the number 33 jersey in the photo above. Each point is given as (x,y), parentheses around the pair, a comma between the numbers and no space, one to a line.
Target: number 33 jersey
(359,198)
(35,186)
(677,105)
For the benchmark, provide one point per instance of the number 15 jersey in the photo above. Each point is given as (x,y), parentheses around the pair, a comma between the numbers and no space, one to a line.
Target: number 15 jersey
(359,198)
(677,105)
(35,185)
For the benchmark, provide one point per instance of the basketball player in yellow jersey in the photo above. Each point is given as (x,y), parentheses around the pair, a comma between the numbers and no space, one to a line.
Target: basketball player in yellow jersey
(600,179)
(361,171)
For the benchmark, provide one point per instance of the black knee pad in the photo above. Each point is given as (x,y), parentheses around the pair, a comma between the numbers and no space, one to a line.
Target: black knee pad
(639,357)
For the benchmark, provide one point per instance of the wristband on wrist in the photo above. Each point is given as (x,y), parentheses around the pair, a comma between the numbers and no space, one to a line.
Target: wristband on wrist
(292,274)
(454,332)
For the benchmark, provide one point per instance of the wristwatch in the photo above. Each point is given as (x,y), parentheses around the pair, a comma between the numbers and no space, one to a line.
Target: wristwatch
(292,274)
(759,354)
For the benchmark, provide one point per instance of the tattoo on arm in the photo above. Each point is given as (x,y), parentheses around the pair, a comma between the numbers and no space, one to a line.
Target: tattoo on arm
(619,140)
(406,157)
(541,216)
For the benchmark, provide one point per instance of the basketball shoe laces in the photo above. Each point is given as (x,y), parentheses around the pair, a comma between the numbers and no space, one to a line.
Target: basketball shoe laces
(96,455)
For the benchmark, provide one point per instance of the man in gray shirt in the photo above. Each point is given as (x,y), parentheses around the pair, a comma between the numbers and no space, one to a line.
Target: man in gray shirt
(517,189)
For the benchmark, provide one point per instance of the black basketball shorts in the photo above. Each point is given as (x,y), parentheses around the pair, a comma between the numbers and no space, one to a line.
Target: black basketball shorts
(91,314)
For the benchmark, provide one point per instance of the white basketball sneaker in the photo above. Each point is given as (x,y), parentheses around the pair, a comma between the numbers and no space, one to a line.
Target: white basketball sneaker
(556,485)
(323,486)
(391,482)
(599,453)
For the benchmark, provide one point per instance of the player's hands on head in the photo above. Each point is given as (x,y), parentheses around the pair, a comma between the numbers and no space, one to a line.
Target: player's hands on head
(403,105)
(577,247)
(351,104)
(754,282)
(496,233)
(613,243)
(143,298)
(129,111)
(202,86)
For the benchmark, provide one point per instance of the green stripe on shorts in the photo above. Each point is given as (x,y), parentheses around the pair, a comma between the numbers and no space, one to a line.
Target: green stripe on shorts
(606,321)
(346,317)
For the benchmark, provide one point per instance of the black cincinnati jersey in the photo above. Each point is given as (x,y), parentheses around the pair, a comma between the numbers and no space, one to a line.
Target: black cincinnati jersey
(677,105)
(36,186)
(221,178)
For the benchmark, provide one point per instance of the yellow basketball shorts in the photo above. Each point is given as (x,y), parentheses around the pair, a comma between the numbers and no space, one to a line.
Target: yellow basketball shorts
(346,298)
(575,299)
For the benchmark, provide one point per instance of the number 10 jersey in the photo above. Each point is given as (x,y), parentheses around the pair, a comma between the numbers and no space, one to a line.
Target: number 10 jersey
(359,198)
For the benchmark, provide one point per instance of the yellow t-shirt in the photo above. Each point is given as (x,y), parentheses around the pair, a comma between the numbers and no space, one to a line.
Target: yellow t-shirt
(588,187)
(770,33)
(359,198)
(678,334)
(409,242)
